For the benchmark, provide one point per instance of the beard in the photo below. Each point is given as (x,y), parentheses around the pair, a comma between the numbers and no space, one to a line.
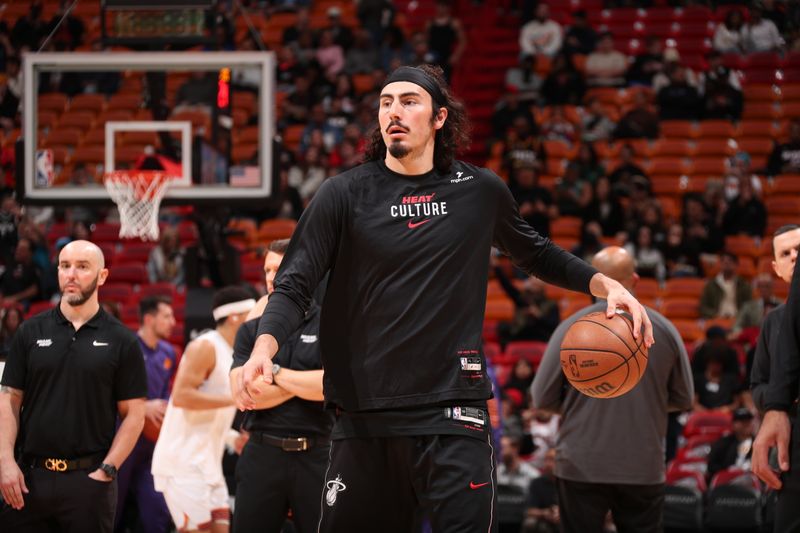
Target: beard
(398,150)
(79,299)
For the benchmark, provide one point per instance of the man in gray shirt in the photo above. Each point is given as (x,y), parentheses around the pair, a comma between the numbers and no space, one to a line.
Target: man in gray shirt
(611,451)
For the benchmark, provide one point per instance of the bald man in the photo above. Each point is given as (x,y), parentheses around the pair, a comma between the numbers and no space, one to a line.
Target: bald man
(610,452)
(71,372)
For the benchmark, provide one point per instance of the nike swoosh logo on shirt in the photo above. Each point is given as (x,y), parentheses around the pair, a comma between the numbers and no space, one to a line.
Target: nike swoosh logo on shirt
(95,343)
(474,485)
(412,225)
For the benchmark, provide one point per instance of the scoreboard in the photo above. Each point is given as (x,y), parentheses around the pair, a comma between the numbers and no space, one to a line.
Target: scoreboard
(154,22)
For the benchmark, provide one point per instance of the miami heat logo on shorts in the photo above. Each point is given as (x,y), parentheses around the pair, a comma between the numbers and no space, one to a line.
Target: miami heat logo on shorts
(334,486)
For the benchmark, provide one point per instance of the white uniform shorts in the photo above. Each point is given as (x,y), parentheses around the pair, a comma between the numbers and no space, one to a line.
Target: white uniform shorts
(193,502)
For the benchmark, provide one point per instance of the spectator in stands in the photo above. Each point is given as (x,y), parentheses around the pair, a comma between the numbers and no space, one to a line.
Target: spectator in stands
(752,313)
(739,168)
(647,64)
(720,89)
(307,176)
(11,94)
(605,67)
(679,258)
(219,23)
(776,13)
(580,37)
(292,33)
(535,202)
(287,69)
(362,58)
(672,60)
(640,122)
(297,105)
(12,318)
(679,100)
(329,55)
(605,208)
(41,256)
(20,281)
(30,28)
(542,514)
(446,38)
(700,230)
(727,292)
(622,176)
(320,123)
(590,242)
(716,342)
(572,194)
(523,79)
(523,147)
(10,216)
(394,49)
(557,128)
(71,30)
(735,448)
(375,17)
(746,214)
(649,260)
(420,51)
(342,35)
(535,315)
(520,380)
(564,85)
(165,263)
(729,36)
(714,389)
(589,167)
(785,157)
(200,90)
(760,34)
(512,470)
(542,35)
(595,124)
(304,48)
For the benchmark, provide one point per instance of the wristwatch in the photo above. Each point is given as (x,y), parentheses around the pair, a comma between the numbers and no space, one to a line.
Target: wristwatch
(110,470)
(275,369)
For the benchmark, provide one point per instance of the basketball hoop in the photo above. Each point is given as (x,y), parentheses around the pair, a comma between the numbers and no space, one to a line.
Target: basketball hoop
(138,195)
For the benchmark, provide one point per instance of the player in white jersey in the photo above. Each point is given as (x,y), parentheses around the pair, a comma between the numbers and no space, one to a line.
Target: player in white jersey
(187,461)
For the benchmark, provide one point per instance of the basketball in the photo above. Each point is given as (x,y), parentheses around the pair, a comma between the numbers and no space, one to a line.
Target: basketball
(600,357)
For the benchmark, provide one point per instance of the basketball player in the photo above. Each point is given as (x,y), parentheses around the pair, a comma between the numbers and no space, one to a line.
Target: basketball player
(71,372)
(777,430)
(187,461)
(610,452)
(283,464)
(406,237)
(785,242)
(157,320)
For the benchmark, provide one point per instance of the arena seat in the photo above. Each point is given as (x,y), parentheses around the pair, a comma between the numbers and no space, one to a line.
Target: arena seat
(490,330)
(511,506)
(116,291)
(502,310)
(532,351)
(683,501)
(721,129)
(707,422)
(697,447)
(134,273)
(734,501)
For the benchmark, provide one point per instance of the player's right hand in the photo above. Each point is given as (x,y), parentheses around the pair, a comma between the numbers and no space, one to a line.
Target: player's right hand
(259,366)
(775,431)
(12,484)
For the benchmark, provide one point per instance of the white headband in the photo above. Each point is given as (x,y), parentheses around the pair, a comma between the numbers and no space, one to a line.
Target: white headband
(242,306)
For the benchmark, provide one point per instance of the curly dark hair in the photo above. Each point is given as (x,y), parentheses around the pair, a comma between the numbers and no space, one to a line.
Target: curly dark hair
(450,139)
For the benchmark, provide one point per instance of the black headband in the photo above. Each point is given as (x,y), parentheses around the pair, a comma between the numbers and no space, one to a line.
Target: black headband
(419,77)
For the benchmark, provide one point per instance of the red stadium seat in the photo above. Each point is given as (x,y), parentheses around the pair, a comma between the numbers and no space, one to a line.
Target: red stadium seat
(533,351)
(116,291)
(134,273)
(684,287)
(707,422)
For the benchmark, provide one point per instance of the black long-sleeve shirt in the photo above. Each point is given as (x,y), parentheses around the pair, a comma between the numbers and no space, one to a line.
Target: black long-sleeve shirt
(409,262)
(766,348)
(785,364)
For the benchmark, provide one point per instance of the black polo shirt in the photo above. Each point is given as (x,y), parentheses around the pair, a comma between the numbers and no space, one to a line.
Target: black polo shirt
(72,381)
(295,417)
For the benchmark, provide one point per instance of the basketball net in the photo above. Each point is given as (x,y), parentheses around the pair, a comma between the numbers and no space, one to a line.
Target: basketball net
(138,195)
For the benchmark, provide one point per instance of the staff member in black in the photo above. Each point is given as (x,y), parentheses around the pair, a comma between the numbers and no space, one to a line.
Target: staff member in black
(779,395)
(71,371)
(785,242)
(406,237)
(283,464)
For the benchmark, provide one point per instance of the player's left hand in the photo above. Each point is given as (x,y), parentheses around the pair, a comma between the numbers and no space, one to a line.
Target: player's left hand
(618,297)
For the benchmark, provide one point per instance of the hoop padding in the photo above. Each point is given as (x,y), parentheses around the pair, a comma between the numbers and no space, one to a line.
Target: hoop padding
(138,195)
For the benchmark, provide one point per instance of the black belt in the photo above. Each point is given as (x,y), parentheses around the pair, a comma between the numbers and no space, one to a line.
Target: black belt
(63,465)
(289,444)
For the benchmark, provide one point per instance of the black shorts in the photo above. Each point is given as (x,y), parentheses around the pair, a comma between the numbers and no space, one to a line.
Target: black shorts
(389,484)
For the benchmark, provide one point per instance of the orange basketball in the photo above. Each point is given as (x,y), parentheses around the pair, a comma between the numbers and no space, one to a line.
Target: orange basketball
(600,357)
